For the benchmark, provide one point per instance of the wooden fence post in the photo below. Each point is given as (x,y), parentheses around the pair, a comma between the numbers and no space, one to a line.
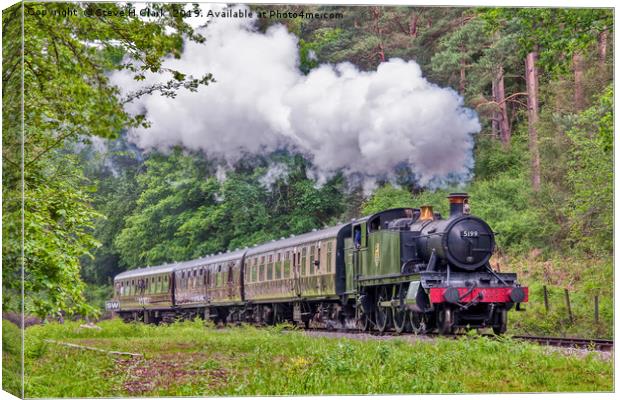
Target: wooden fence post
(596,308)
(570,312)
(546,297)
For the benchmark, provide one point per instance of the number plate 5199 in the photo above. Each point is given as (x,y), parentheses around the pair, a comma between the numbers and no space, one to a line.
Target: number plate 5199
(470,233)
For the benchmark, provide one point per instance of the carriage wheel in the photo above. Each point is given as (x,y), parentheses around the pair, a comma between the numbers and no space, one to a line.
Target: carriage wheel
(419,324)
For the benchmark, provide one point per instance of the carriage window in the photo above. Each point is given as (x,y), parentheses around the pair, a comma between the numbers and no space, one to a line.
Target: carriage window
(278,271)
(318,259)
(287,266)
(312,268)
(254,277)
(230,274)
(261,273)
(269,271)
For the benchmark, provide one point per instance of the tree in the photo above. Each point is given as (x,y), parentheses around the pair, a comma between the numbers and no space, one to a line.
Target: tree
(590,207)
(387,197)
(547,39)
(176,215)
(67,93)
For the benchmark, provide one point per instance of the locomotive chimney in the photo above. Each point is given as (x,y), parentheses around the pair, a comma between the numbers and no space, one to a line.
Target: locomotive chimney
(457,202)
(426,213)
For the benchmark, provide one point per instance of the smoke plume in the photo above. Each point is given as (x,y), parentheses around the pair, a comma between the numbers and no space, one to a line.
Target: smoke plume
(344,119)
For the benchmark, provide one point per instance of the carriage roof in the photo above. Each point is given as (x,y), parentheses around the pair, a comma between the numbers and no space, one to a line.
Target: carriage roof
(295,240)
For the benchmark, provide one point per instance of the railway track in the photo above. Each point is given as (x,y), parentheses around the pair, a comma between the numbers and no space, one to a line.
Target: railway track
(595,344)
(581,343)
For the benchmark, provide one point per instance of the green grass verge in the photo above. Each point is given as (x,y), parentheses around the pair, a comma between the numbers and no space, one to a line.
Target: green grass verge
(11,358)
(186,359)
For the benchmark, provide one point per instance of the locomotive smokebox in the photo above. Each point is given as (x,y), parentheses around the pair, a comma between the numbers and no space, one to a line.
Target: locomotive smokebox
(457,203)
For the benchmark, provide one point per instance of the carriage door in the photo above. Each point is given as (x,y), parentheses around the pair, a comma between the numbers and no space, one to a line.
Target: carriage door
(206,283)
(230,280)
(295,286)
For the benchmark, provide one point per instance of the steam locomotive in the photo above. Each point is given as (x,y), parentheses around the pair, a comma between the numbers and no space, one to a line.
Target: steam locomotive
(403,269)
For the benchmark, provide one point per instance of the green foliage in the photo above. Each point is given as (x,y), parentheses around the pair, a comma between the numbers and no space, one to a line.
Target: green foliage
(245,361)
(387,197)
(52,268)
(590,176)
(184,212)
(308,49)
(556,33)
(117,191)
(175,214)
(67,62)
(493,159)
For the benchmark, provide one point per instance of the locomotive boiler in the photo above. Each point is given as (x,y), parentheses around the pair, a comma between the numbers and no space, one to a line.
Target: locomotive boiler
(404,269)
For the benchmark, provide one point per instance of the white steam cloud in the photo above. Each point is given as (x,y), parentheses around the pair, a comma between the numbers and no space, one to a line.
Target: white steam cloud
(275,172)
(362,123)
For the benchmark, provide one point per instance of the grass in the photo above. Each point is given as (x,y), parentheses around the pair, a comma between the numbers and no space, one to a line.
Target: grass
(11,358)
(186,359)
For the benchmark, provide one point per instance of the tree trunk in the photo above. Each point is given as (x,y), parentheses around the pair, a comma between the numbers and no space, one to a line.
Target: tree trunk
(602,49)
(495,116)
(462,72)
(578,67)
(531,82)
(376,15)
(413,25)
(504,127)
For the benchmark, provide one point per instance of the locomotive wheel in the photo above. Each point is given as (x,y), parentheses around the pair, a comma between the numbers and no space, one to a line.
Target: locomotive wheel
(445,321)
(418,322)
(362,321)
(500,329)
(399,314)
(382,315)
(399,317)
(381,319)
